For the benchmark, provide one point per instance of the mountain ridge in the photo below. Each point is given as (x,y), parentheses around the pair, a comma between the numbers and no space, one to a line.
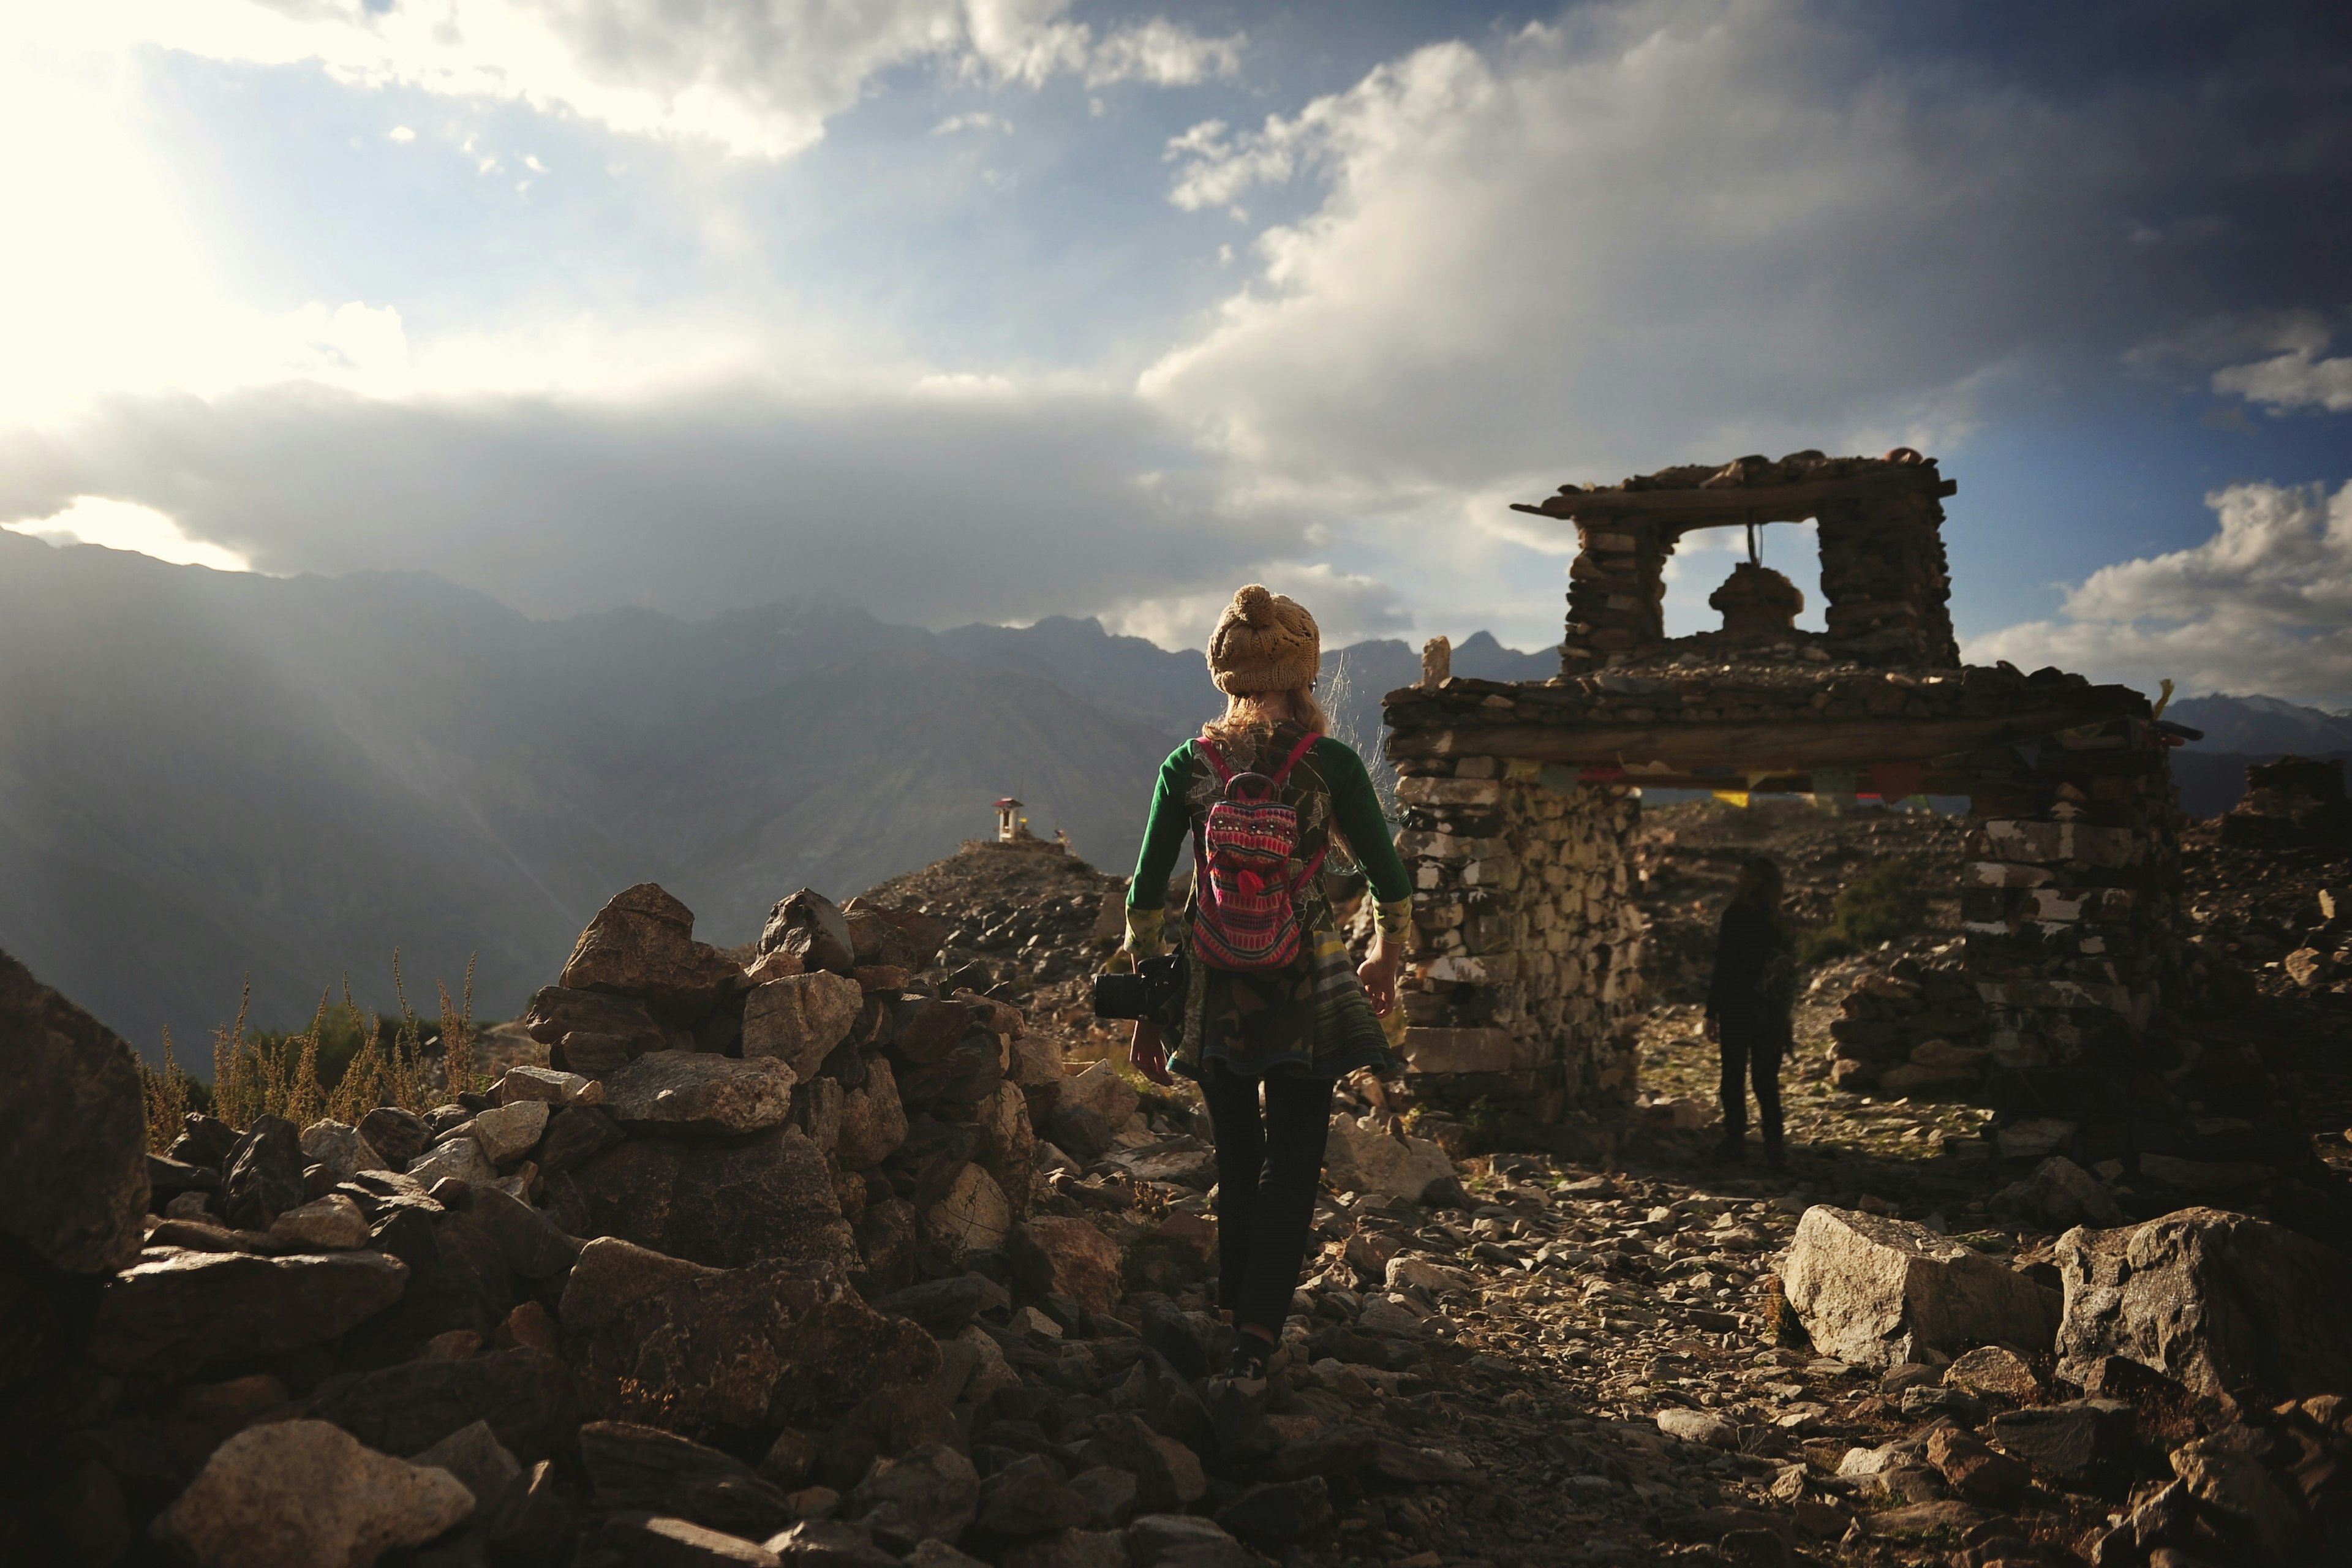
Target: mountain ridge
(208,774)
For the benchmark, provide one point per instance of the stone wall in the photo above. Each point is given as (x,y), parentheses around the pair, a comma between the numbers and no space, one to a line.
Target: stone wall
(2073,919)
(1524,962)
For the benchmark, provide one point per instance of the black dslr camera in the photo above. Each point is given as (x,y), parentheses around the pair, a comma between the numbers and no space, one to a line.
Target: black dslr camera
(1155,992)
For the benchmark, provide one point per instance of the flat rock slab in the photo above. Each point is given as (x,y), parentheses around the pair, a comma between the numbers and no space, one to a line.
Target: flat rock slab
(646,1469)
(1875,1291)
(652,1541)
(2063,1441)
(177,1315)
(768,1197)
(301,1494)
(694,1094)
(1699,1426)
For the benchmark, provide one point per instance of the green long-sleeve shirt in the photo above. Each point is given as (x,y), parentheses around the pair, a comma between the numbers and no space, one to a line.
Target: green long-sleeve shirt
(1355,811)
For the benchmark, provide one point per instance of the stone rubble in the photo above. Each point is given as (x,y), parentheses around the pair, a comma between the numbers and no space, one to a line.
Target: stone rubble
(948,1298)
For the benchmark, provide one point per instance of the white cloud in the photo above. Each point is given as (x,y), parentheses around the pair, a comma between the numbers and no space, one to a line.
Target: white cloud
(400,133)
(2297,379)
(127,525)
(1661,230)
(2265,604)
(941,504)
(982,120)
(1346,607)
(759,77)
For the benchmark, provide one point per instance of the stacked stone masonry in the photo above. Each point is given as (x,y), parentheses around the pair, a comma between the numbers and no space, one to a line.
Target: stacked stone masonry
(1525,948)
(1518,808)
(1880,524)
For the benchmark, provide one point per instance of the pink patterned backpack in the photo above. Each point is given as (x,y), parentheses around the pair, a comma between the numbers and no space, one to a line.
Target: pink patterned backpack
(1245,913)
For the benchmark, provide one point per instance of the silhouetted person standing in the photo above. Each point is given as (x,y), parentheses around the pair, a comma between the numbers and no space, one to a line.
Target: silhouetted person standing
(1748,1004)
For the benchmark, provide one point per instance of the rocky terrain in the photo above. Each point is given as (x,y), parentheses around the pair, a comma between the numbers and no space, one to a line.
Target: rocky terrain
(844,1247)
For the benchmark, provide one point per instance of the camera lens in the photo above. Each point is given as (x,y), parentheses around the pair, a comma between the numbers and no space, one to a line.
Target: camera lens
(1120,996)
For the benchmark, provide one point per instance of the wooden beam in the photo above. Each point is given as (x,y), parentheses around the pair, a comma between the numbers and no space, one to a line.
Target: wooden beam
(1788,745)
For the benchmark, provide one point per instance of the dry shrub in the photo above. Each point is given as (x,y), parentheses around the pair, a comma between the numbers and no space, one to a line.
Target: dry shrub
(255,1073)
(166,1097)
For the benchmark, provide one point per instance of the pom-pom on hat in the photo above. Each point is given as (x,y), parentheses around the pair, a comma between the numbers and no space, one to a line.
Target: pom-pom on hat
(1264,642)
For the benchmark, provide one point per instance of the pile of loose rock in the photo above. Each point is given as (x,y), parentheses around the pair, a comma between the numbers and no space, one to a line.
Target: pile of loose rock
(762,1265)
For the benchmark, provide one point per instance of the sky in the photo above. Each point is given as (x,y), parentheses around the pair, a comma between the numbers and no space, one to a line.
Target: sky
(990,310)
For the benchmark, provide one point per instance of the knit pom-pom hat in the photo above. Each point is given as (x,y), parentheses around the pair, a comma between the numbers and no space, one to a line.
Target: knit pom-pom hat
(1264,642)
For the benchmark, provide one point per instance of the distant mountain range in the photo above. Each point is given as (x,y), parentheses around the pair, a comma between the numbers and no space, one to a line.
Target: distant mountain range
(2211,773)
(207,775)
(2260,725)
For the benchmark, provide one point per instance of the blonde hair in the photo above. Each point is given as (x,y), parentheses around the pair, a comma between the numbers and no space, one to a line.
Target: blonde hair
(1246,721)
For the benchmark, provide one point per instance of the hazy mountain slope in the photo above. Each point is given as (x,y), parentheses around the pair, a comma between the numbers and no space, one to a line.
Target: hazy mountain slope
(203,773)
(859,772)
(2260,725)
(1131,677)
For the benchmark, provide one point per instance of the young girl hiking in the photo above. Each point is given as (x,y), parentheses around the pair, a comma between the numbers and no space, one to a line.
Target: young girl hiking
(1274,1008)
(1748,1002)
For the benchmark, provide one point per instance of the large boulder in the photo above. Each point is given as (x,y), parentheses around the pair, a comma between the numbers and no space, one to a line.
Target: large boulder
(766,1197)
(696,1095)
(2217,1300)
(1367,1157)
(595,1031)
(73,1167)
(170,1317)
(800,1018)
(264,1177)
(1876,1291)
(301,1494)
(703,1350)
(642,944)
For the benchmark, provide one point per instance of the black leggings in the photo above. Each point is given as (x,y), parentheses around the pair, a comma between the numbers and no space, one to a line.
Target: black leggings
(1751,1052)
(1268,1173)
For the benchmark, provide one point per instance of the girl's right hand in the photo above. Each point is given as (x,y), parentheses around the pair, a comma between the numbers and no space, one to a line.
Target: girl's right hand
(1148,1053)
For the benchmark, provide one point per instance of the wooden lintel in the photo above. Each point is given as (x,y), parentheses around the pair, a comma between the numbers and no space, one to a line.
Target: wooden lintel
(1789,745)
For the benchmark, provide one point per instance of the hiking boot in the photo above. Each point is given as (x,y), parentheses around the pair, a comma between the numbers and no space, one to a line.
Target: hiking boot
(1250,1357)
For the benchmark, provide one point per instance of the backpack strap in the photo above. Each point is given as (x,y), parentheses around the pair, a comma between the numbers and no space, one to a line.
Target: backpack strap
(1208,749)
(1303,747)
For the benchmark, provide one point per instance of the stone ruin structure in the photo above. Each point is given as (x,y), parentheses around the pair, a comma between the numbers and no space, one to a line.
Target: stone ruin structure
(1519,804)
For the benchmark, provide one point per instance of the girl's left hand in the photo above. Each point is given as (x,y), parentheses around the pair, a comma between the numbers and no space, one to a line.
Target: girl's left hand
(1379,973)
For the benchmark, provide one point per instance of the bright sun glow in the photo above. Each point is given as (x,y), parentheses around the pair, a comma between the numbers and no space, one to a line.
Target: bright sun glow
(127,525)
